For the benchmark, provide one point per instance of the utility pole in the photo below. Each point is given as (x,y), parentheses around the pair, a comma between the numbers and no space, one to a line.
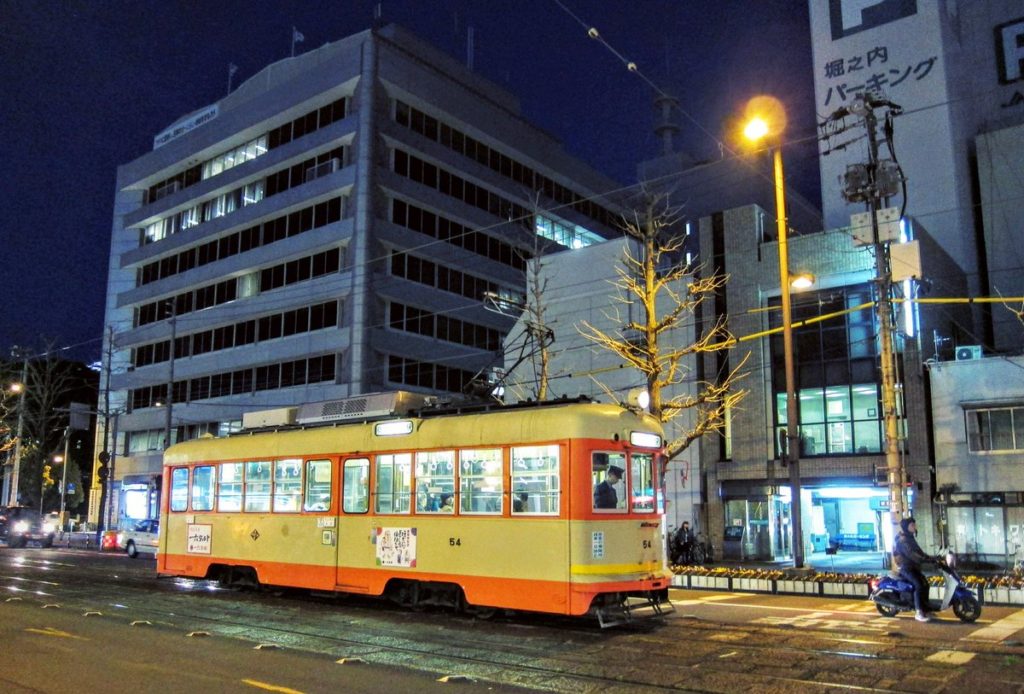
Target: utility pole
(170,376)
(102,471)
(874,184)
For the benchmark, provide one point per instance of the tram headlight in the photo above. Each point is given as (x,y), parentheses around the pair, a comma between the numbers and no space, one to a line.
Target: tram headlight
(644,439)
(48,527)
(21,527)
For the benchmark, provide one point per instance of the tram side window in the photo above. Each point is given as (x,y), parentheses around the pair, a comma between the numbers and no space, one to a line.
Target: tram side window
(435,482)
(318,485)
(480,481)
(257,487)
(287,485)
(229,487)
(535,473)
(642,476)
(357,486)
(203,479)
(608,480)
(394,472)
(179,489)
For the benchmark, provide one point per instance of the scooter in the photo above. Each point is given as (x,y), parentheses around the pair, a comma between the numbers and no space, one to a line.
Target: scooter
(892,595)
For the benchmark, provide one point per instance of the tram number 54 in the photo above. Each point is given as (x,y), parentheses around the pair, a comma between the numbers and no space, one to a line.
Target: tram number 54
(648,544)
(455,541)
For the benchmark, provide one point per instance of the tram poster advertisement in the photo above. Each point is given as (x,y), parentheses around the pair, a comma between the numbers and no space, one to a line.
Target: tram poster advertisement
(396,547)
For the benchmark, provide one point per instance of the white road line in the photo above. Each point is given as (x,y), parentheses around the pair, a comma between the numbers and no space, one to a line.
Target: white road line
(999,630)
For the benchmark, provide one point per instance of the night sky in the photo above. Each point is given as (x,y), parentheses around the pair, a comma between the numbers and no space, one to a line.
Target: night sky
(86,84)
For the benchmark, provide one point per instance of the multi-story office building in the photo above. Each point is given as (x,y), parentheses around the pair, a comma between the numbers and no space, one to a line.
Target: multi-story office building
(836,349)
(957,70)
(328,229)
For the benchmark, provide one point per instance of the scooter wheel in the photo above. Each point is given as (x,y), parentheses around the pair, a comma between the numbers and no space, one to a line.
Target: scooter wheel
(967,609)
(887,610)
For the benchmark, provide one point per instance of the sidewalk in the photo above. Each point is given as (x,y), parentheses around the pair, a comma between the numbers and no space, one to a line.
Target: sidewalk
(851,562)
(77,540)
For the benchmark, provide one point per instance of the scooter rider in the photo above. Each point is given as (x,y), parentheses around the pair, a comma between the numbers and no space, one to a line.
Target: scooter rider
(909,556)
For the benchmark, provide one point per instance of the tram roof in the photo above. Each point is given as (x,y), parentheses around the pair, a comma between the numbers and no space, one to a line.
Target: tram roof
(458,427)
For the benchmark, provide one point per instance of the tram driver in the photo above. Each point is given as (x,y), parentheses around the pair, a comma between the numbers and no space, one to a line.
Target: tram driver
(605,495)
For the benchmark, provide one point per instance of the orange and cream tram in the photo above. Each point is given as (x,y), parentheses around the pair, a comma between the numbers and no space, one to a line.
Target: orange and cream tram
(482,509)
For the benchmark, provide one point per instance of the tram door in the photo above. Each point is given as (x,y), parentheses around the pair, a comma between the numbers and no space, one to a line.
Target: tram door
(355,502)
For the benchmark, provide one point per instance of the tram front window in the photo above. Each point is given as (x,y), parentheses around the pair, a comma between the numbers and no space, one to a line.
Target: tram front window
(608,479)
(643,489)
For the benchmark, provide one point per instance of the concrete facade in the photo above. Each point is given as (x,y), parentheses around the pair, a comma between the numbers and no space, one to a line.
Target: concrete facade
(843,450)
(330,228)
(978,426)
(956,69)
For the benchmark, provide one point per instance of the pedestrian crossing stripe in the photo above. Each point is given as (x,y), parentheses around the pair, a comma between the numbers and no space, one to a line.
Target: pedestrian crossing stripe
(951,657)
(999,630)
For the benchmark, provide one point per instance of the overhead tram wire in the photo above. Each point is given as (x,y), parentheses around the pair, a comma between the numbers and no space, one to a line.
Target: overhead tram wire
(632,67)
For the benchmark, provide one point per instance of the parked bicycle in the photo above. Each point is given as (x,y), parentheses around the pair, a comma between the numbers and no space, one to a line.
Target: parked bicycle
(684,548)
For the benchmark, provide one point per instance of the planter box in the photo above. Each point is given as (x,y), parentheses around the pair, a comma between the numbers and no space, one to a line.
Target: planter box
(680,581)
(1000,595)
(859,590)
(764,585)
(698,582)
(720,582)
(1017,596)
(832,588)
(788,587)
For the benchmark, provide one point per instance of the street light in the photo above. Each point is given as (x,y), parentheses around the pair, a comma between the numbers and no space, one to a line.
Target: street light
(766,118)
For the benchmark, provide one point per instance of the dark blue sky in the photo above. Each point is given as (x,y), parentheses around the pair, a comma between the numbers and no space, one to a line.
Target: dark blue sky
(86,84)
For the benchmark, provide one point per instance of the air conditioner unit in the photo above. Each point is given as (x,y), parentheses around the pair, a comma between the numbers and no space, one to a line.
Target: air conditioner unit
(965,352)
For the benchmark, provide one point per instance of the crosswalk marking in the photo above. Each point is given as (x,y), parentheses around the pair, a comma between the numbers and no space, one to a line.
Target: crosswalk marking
(951,657)
(706,599)
(999,630)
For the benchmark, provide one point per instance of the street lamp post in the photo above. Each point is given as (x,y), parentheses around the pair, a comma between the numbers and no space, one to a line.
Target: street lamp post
(756,129)
(16,468)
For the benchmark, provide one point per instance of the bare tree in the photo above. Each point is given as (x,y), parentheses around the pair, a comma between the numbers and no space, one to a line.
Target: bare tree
(667,291)
(538,336)
(47,388)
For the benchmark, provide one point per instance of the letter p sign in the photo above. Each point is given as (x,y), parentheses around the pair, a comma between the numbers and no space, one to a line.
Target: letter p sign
(1010,51)
(851,16)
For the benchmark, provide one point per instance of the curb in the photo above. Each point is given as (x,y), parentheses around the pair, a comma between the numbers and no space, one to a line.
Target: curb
(825,589)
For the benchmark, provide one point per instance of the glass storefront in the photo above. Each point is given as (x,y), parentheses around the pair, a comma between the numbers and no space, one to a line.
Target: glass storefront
(987,534)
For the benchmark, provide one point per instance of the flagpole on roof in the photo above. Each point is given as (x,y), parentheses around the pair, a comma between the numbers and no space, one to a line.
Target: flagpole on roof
(232,69)
(297,37)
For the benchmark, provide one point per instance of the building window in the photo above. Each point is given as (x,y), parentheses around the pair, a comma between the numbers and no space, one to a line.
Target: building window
(837,379)
(995,430)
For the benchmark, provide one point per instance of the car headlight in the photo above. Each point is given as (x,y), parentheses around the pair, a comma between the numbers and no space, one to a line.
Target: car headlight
(120,538)
(21,526)
(48,527)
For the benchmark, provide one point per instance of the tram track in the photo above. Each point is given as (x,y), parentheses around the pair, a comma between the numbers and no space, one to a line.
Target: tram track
(552,654)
